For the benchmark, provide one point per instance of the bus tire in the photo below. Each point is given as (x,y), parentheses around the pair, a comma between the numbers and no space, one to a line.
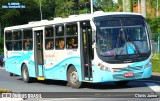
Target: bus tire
(11,74)
(25,74)
(72,77)
(121,83)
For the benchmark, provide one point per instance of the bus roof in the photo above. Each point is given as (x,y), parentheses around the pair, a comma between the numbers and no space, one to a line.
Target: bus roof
(71,18)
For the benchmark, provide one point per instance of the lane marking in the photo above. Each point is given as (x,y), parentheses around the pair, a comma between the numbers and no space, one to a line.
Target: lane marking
(155,87)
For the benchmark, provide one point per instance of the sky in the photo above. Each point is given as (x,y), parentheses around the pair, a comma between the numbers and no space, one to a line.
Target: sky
(115,1)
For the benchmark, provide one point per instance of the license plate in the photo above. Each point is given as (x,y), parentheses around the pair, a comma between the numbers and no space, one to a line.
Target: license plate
(129,74)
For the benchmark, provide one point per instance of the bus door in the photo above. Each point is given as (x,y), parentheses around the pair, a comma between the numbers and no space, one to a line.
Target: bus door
(38,54)
(86,50)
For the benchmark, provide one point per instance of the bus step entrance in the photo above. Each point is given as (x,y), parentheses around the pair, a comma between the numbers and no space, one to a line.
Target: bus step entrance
(40,78)
(88,73)
(88,79)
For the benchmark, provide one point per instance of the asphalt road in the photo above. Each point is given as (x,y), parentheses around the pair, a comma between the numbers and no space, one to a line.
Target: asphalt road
(98,90)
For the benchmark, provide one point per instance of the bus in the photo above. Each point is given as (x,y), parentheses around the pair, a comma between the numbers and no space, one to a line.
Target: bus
(95,48)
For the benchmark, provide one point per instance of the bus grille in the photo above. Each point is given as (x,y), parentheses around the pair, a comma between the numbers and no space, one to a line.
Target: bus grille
(121,76)
(128,69)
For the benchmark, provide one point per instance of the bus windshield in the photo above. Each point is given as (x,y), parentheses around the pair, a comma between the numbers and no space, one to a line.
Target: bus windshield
(122,36)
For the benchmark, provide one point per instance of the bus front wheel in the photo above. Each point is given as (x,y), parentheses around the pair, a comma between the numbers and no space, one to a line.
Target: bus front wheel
(25,74)
(72,77)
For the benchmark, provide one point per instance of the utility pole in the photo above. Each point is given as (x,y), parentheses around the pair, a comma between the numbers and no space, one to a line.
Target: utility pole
(40,9)
(123,5)
(157,8)
(127,7)
(91,6)
(138,7)
(143,5)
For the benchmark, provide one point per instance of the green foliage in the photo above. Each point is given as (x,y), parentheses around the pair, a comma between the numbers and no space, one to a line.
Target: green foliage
(128,5)
(63,8)
(156,57)
(10,17)
(120,2)
(47,7)
(84,6)
(154,24)
(156,63)
(106,5)
(1,45)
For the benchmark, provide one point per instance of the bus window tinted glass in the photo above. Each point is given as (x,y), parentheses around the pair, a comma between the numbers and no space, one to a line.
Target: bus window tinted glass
(9,45)
(27,34)
(28,40)
(71,36)
(71,29)
(17,45)
(49,32)
(60,44)
(17,40)
(17,35)
(129,37)
(59,30)
(8,35)
(49,39)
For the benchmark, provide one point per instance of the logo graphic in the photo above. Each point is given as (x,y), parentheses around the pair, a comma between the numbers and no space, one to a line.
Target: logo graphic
(130,50)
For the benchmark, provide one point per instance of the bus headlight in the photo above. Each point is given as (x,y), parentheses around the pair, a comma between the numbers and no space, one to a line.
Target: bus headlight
(104,68)
(148,64)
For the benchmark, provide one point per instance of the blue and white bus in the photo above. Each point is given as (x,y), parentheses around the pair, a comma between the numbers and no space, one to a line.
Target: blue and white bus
(98,47)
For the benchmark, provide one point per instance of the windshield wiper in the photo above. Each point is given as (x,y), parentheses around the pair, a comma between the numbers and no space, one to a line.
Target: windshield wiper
(115,53)
(136,49)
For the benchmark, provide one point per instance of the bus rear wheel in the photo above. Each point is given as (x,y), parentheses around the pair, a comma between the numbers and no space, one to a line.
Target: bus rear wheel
(72,77)
(25,74)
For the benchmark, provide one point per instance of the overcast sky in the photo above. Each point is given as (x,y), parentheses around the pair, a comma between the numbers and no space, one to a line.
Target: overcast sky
(115,1)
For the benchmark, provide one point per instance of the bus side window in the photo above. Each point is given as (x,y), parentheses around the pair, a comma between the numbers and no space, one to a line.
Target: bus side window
(27,40)
(71,36)
(17,40)
(59,38)
(9,45)
(49,38)
(8,40)
(60,44)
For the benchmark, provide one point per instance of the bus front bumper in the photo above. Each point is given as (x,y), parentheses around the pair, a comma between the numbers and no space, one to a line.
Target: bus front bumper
(105,76)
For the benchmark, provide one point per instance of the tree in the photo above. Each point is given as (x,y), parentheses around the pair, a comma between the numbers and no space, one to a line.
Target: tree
(84,6)
(127,6)
(64,8)
(106,5)
(47,8)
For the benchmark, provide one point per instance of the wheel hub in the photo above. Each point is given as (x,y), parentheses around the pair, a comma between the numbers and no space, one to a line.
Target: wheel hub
(74,77)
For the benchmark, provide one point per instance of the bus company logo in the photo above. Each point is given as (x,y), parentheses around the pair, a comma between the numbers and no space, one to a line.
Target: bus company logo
(6,95)
(128,67)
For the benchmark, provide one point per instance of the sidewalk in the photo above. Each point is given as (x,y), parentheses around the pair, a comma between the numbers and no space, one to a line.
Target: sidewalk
(154,73)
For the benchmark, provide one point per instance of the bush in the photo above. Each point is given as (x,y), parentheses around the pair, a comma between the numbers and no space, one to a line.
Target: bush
(1,45)
(156,63)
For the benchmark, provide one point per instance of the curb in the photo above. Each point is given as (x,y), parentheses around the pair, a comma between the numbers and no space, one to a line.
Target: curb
(155,73)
